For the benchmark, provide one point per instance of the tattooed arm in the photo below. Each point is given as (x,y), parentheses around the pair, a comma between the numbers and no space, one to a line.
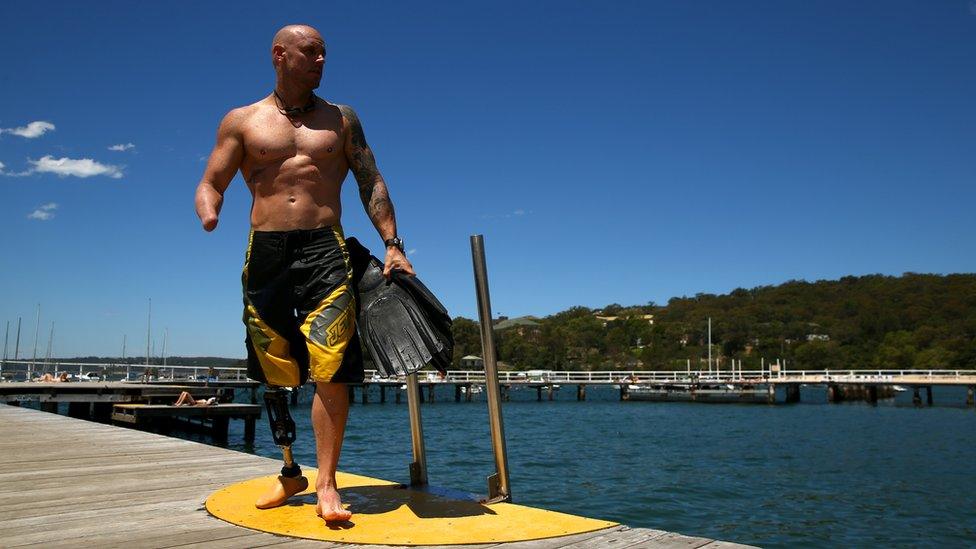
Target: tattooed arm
(372,189)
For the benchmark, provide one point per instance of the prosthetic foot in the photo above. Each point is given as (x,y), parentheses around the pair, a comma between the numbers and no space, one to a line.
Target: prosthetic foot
(290,481)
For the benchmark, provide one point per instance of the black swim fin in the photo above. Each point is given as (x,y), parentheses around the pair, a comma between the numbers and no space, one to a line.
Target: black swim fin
(401,324)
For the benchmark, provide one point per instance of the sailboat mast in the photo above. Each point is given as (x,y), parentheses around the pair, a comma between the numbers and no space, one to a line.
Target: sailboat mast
(50,344)
(17,347)
(37,324)
(149,332)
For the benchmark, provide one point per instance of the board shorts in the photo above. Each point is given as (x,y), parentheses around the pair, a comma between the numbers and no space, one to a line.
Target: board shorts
(299,308)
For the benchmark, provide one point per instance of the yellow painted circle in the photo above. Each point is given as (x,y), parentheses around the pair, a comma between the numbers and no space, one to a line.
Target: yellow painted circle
(389,514)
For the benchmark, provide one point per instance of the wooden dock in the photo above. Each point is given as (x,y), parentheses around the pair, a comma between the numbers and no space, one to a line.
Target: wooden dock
(66,482)
(215,418)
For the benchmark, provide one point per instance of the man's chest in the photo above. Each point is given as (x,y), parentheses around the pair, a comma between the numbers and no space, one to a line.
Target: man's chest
(267,139)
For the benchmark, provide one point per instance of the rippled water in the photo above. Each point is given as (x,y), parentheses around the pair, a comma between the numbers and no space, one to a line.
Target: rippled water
(809,474)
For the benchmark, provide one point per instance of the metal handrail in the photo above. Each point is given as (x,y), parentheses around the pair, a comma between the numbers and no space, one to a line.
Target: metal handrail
(499,488)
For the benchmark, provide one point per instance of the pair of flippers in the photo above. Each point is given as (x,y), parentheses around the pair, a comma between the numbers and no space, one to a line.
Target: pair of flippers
(401,324)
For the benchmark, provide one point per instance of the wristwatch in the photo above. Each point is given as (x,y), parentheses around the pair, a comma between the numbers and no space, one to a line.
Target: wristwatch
(395,241)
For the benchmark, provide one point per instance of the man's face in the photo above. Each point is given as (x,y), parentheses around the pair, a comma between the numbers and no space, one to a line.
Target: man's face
(304,59)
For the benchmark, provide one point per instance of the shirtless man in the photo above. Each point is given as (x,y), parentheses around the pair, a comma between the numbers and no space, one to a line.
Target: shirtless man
(294,150)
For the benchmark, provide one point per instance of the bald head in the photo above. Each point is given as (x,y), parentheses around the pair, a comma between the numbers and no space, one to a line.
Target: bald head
(292,34)
(298,55)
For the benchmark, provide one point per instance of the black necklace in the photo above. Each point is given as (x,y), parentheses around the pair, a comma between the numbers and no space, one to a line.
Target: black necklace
(294,111)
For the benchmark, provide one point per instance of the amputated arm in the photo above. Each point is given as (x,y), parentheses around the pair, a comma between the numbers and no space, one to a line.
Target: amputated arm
(225,160)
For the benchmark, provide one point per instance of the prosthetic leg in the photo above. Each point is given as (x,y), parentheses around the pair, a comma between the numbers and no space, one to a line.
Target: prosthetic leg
(290,481)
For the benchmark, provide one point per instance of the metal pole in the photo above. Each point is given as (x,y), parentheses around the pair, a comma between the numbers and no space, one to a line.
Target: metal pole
(165,336)
(418,468)
(148,331)
(498,483)
(5,341)
(37,324)
(17,347)
(50,343)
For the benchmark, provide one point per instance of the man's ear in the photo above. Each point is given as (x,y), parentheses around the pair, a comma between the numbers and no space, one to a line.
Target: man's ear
(277,54)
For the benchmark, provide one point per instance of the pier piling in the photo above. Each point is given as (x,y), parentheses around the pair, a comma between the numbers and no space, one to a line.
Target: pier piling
(871,393)
(581,392)
(916,397)
(793,393)
(971,396)
(928,395)
(80,410)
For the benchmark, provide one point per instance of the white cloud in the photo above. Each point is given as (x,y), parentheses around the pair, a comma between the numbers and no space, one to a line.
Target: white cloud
(2,166)
(30,131)
(122,147)
(82,167)
(44,212)
(411,251)
(516,213)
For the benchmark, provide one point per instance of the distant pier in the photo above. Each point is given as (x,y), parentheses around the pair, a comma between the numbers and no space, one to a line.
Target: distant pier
(143,405)
(771,385)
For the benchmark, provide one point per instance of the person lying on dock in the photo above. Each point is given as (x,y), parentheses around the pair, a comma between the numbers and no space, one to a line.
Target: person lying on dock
(187,400)
(49,377)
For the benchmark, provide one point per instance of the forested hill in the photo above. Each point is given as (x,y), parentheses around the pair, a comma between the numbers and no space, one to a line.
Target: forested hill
(910,321)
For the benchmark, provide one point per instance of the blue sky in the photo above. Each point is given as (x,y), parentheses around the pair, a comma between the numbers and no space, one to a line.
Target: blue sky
(609,152)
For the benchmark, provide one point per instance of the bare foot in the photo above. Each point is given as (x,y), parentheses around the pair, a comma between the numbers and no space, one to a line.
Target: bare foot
(280,491)
(330,506)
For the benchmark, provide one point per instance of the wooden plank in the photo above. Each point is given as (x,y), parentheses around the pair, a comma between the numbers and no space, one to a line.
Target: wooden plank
(208,535)
(563,541)
(42,507)
(671,540)
(313,544)
(112,473)
(725,545)
(621,537)
(134,484)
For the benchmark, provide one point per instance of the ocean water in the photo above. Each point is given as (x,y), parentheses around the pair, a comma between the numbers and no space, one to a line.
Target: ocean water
(802,475)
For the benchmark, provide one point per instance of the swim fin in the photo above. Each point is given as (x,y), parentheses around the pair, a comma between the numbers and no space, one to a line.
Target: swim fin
(401,324)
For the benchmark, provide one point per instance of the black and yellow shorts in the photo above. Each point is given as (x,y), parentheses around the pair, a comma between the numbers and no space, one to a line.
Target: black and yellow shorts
(299,308)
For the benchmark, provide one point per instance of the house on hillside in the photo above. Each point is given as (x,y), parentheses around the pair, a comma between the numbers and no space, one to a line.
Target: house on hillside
(608,318)
(522,325)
